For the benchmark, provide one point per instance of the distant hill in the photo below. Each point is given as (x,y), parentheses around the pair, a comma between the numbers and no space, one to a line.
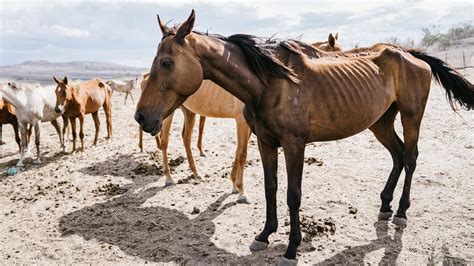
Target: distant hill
(42,71)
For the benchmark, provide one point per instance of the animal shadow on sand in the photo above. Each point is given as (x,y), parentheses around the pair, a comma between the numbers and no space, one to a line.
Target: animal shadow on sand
(157,233)
(46,159)
(355,255)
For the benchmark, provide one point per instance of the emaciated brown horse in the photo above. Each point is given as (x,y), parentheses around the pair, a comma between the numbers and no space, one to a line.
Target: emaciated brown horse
(292,99)
(84,98)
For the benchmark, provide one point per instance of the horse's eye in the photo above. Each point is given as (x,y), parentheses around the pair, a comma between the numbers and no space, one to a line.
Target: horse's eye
(166,63)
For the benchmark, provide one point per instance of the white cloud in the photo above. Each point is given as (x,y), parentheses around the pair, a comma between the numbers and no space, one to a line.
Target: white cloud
(69,32)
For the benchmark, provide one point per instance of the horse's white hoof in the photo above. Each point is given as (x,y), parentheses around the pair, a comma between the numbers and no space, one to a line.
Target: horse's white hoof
(20,164)
(234,190)
(169,183)
(258,245)
(384,216)
(399,221)
(37,161)
(203,154)
(243,199)
(287,262)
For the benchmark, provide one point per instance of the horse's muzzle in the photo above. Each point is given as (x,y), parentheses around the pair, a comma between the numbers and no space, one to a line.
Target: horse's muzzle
(152,127)
(57,110)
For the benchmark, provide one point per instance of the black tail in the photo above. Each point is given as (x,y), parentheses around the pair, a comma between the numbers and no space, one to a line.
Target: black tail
(458,89)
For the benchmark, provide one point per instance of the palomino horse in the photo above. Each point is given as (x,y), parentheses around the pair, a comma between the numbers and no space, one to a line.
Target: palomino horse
(291,99)
(331,45)
(84,98)
(209,101)
(7,116)
(33,104)
(124,87)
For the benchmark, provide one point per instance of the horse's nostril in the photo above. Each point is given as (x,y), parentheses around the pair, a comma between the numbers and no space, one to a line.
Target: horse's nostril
(140,118)
(57,110)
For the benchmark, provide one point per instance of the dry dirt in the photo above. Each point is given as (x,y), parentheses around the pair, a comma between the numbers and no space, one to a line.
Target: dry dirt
(109,204)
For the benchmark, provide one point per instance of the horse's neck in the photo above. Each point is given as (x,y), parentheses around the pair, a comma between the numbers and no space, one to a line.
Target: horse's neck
(226,65)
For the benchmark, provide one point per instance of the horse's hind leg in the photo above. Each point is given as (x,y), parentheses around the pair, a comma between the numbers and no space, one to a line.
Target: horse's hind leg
(411,129)
(108,114)
(58,130)
(37,142)
(187,133)
(384,131)
(126,96)
(95,116)
(131,97)
(202,122)
(237,174)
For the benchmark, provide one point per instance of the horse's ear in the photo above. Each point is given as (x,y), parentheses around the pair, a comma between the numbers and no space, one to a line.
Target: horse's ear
(56,80)
(331,40)
(336,36)
(65,80)
(164,29)
(185,28)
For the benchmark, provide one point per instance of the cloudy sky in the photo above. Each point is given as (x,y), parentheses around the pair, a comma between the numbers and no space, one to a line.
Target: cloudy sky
(127,32)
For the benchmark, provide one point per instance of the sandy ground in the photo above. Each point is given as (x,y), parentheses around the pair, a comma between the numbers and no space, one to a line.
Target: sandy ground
(109,205)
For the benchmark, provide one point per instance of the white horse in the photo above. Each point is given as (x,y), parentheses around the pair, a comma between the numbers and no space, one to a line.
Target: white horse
(33,104)
(124,87)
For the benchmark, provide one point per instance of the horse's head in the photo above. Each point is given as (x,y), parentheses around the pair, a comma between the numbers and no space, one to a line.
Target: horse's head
(63,94)
(331,45)
(176,73)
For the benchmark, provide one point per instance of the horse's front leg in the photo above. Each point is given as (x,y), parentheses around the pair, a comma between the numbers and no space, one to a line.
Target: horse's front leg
(81,131)
(294,158)
(23,143)
(269,155)
(37,142)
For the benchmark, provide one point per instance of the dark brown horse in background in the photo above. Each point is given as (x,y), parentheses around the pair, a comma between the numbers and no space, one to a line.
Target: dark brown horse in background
(292,99)
(7,116)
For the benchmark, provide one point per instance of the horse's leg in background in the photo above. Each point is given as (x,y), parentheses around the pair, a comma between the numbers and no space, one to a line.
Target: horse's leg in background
(165,132)
(58,130)
(66,131)
(237,174)
(384,131)
(108,113)
(1,137)
(74,134)
(29,131)
(202,122)
(24,143)
(126,96)
(16,131)
(140,138)
(269,155)
(95,117)
(187,134)
(81,131)
(158,141)
(37,142)
(131,96)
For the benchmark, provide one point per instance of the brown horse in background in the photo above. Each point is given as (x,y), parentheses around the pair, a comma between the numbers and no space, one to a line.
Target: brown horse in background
(7,116)
(84,98)
(292,99)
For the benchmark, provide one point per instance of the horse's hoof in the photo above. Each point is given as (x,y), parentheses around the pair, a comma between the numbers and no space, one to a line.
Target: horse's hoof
(169,183)
(20,164)
(258,245)
(287,262)
(37,161)
(243,199)
(202,154)
(234,190)
(399,221)
(384,216)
